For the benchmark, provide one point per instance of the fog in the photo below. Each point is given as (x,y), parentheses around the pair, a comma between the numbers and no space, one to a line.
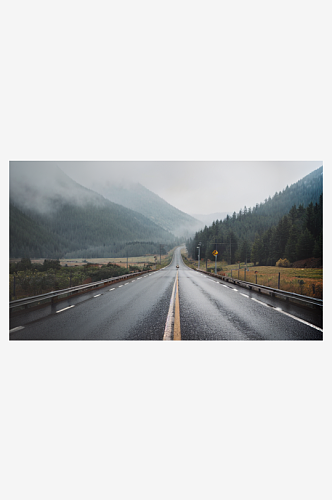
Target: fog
(197,187)
(194,187)
(40,186)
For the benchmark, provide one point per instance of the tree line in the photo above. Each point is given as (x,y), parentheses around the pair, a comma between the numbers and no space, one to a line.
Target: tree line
(297,235)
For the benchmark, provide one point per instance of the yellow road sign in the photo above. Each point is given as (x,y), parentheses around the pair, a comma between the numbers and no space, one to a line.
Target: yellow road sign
(215,252)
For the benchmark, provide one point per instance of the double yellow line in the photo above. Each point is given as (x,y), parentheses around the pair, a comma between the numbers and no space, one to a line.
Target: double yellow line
(172,327)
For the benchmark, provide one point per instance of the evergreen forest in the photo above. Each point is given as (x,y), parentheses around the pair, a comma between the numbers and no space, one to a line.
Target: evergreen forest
(52,216)
(75,231)
(287,226)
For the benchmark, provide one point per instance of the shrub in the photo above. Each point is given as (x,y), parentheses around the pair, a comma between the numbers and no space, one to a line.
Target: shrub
(283,263)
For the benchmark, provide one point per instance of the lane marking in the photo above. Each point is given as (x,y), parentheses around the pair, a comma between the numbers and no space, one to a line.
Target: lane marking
(299,319)
(244,295)
(172,327)
(235,290)
(289,315)
(126,284)
(16,329)
(177,329)
(65,309)
(99,294)
(259,302)
(170,317)
(111,289)
(120,286)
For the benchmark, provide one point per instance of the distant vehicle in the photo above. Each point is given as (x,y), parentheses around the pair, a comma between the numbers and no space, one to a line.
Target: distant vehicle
(177,267)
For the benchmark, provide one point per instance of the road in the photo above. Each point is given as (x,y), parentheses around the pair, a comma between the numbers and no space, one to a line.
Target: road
(179,304)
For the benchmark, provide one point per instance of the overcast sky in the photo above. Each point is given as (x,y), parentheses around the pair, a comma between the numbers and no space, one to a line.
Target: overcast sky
(198,187)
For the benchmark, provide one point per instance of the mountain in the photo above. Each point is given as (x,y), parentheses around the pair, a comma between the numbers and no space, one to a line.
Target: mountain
(137,197)
(29,238)
(52,215)
(235,235)
(303,192)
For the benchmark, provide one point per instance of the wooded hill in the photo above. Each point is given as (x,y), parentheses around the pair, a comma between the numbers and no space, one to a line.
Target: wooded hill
(140,199)
(52,216)
(289,225)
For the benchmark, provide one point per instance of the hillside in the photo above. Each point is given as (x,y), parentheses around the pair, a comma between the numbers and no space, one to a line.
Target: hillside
(261,225)
(51,216)
(142,200)
(303,192)
(28,238)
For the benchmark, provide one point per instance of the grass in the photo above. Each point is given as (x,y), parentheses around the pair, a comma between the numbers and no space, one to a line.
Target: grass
(120,261)
(297,280)
(74,272)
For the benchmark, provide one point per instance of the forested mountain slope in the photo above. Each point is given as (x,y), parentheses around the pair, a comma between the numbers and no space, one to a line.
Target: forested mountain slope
(236,235)
(142,200)
(303,192)
(29,238)
(51,216)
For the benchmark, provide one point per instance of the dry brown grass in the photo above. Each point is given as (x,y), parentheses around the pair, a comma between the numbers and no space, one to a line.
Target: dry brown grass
(303,281)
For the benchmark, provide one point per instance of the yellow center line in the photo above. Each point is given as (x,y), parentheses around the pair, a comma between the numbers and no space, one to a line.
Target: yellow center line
(172,327)
(177,329)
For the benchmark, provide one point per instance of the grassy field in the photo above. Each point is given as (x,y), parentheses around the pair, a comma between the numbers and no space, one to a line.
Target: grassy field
(141,261)
(305,281)
(33,281)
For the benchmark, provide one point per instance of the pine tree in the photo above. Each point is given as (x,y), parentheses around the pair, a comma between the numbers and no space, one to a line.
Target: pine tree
(291,245)
(305,245)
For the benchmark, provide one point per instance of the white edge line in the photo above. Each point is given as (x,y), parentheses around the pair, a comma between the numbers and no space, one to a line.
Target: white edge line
(69,307)
(300,320)
(259,302)
(290,315)
(16,329)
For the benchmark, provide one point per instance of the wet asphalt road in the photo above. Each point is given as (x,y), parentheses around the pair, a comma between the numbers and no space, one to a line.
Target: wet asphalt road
(137,309)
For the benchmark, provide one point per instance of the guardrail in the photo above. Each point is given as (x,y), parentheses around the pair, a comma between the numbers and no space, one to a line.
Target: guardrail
(43,299)
(273,292)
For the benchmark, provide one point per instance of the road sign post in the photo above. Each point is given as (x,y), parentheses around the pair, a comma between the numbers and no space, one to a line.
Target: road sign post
(215,253)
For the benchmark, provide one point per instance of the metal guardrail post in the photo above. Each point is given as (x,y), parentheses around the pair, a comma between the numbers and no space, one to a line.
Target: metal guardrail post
(301,299)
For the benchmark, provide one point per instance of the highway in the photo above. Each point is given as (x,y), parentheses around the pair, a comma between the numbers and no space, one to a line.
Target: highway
(170,304)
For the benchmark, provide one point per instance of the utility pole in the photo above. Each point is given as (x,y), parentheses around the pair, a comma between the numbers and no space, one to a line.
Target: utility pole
(199,253)
(216,255)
